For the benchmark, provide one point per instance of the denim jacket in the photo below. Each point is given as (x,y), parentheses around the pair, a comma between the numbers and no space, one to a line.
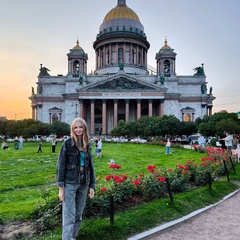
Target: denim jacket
(68,167)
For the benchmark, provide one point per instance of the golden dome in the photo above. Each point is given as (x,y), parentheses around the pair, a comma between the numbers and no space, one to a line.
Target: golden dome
(121,11)
(77,47)
(165,45)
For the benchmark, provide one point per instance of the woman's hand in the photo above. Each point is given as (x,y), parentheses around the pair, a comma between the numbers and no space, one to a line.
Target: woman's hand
(91,193)
(61,194)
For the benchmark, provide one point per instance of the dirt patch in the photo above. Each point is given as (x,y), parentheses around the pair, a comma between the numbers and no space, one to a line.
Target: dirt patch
(16,230)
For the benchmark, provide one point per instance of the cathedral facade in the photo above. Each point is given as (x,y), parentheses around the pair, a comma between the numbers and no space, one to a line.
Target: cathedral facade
(122,87)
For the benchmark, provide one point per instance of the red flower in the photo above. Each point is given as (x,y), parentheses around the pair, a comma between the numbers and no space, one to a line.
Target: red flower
(169,169)
(109,177)
(103,189)
(136,182)
(151,168)
(115,166)
(161,179)
(204,164)
(118,179)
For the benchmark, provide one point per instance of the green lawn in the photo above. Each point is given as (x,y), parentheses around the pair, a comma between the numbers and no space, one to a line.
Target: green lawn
(24,172)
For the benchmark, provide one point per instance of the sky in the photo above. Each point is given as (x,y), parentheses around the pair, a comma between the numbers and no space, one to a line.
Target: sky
(34,32)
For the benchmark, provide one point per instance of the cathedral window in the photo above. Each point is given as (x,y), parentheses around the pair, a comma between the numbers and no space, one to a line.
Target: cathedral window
(166,66)
(120,55)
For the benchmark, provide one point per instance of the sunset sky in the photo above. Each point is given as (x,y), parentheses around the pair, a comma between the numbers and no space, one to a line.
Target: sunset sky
(37,32)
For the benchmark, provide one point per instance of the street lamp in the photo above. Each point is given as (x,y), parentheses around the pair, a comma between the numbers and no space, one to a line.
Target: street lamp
(76,107)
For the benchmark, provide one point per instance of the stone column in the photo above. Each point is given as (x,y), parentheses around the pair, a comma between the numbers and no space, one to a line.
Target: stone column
(161,108)
(131,54)
(104,116)
(110,54)
(138,108)
(127,110)
(192,117)
(137,49)
(210,111)
(115,113)
(117,53)
(34,113)
(92,131)
(50,118)
(81,108)
(150,108)
(104,55)
(146,58)
(182,117)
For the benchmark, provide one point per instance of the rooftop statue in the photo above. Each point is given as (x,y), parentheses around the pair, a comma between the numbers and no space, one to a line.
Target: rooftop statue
(210,91)
(43,71)
(121,66)
(199,71)
(204,89)
(162,79)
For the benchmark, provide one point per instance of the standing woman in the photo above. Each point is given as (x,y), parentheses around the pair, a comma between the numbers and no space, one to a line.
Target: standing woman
(54,143)
(75,176)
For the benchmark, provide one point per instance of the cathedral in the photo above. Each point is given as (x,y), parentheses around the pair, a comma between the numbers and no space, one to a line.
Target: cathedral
(123,85)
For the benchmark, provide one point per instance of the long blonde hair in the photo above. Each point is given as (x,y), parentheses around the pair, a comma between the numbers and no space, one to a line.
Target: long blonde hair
(85,136)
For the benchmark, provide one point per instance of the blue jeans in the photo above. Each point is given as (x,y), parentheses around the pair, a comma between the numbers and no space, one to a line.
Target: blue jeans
(75,196)
(167,150)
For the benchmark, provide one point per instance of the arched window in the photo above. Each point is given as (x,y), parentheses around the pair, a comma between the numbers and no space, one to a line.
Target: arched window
(76,67)
(54,118)
(120,55)
(166,65)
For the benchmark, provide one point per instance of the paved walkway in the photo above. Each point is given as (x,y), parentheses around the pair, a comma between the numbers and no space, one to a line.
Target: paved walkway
(220,221)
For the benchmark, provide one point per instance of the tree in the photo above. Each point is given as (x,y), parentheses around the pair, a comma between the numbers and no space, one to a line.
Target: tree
(207,129)
(230,126)
(59,128)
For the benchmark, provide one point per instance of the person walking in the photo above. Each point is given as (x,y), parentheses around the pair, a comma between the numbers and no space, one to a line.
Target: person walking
(96,147)
(99,148)
(21,142)
(40,146)
(228,142)
(201,141)
(168,146)
(75,178)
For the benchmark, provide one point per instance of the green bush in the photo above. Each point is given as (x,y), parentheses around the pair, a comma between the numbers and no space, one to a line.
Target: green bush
(213,142)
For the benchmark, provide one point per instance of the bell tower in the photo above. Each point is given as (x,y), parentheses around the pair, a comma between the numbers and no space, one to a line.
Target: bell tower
(77,61)
(166,61)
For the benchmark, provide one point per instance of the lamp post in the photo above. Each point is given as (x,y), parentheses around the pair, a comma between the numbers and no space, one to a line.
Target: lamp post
(76,107)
